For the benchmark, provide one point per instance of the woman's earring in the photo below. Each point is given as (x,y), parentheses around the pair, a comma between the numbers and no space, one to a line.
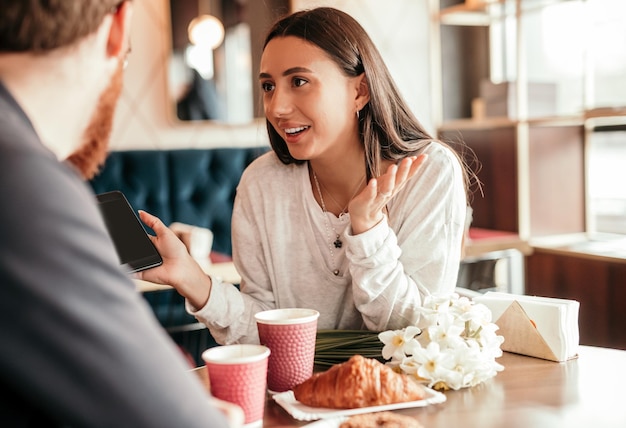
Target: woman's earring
(357,114)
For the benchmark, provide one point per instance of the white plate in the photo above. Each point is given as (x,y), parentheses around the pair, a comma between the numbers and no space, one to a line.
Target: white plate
(299,411)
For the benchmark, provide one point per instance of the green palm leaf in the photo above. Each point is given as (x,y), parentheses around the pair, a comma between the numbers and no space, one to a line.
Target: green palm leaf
(337,346)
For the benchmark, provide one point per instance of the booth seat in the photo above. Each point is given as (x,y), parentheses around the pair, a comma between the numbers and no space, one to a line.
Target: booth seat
(190,186)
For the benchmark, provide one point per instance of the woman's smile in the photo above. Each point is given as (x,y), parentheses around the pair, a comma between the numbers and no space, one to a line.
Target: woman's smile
(295,134)
(293,131)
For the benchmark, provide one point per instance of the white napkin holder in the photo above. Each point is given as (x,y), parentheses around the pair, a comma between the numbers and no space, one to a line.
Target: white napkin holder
(540,327)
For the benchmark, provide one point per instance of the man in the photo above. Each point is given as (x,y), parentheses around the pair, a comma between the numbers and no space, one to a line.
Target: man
(80,347)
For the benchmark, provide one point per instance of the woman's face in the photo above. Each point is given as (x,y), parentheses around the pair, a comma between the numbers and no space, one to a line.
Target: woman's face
(308,100)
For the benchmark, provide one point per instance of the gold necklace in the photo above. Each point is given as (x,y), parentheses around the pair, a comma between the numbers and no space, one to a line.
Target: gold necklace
(337,204)
(337,242)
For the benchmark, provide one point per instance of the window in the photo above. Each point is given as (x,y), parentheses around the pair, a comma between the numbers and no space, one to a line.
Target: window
(577,46)
(607,181)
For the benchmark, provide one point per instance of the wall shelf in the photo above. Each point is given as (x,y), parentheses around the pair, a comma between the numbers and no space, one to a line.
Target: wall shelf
(534,170)
(471,13)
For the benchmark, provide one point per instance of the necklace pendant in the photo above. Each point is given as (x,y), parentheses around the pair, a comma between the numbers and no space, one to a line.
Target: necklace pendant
(336,272)
(337,242)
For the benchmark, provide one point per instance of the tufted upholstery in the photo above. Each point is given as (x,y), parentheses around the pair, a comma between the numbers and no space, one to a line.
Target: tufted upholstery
(193,186)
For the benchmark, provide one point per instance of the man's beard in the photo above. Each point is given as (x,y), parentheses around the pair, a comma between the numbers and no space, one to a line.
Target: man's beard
(92,153)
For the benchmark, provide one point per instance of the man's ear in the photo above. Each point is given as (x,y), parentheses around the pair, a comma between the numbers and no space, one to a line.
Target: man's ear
(363,91)
(118,43)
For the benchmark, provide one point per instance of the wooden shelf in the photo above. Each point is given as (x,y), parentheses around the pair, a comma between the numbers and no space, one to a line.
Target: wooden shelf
(482,241)
(486,123)
(609,249)
(471,13)
(505,122)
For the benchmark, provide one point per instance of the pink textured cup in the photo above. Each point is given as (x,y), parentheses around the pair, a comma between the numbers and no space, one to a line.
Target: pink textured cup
(290,335)
(238,374)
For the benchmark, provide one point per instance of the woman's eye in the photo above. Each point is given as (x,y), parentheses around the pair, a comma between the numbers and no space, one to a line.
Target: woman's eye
(267,86)
(297,82)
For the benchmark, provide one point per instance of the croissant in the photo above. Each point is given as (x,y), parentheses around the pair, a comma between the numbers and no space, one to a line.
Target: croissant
(358,382)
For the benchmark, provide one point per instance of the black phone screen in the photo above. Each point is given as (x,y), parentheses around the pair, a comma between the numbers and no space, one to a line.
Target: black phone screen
(134,248)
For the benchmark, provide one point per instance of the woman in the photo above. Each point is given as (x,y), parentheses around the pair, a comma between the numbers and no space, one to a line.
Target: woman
(356,212)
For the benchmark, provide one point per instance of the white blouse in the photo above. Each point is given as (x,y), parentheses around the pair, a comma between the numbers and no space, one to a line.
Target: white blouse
(282,250)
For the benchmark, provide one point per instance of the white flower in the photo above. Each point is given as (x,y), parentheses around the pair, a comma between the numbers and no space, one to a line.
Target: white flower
(446,331)
(465,309)
(457,346)
(432,363)
(398,342)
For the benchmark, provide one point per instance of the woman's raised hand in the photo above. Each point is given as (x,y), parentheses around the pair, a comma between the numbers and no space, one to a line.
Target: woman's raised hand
(367,208)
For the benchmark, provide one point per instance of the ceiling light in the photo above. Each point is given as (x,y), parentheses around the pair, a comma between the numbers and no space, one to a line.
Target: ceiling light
(206,30)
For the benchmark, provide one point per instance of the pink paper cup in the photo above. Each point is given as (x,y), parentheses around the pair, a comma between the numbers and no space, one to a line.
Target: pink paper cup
(238,374)
(290,335)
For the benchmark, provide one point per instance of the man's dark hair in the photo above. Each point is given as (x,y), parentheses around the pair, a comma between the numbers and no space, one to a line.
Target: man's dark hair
(42,25)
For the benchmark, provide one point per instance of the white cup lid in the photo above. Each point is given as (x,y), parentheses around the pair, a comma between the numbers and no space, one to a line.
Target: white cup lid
(287,316)
(235,354)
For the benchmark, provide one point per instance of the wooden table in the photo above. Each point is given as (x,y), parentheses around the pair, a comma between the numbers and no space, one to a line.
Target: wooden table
(531,393)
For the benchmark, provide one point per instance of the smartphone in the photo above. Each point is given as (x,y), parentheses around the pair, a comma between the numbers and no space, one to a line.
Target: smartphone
(134,248)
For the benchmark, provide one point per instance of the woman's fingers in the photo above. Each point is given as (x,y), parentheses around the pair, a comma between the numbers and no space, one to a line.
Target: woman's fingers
(398,174)
(408,167)
(403,171)
(415,165)
(367,208)
(386,182)
(152,222)
(166,241)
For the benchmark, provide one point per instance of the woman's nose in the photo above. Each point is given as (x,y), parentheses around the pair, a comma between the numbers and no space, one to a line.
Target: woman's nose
(279,104)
